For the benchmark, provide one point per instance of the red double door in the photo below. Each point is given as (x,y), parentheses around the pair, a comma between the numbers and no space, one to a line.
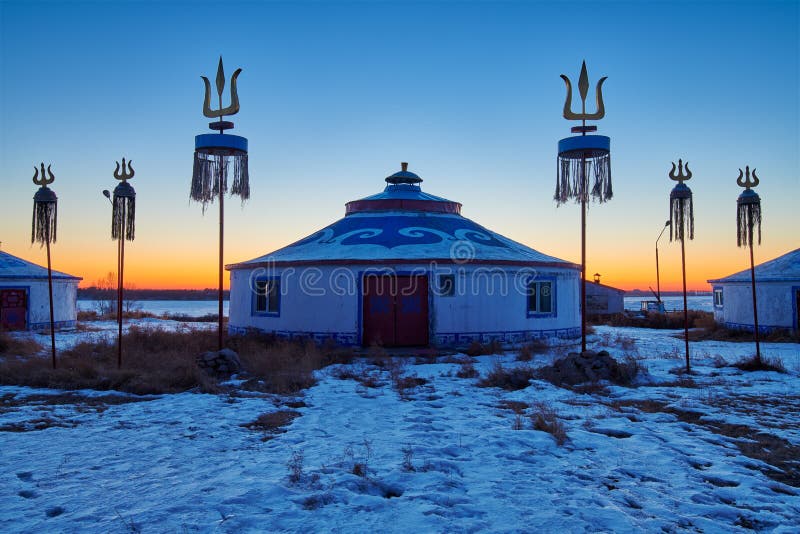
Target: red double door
(13,309)
(395,310)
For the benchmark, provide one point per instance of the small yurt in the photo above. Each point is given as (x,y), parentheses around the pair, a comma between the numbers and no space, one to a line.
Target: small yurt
(25,299)
(777,292)
(405,268)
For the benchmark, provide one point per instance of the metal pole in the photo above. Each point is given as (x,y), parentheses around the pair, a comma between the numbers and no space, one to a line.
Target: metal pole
(685,310)
(120,286)
(221,234)
(658,279)
(50,288)
(755,307)
(583,254)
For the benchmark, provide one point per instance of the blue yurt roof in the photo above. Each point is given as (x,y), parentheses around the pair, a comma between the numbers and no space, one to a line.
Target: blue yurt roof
(14,268)
(403,224)
(784,268)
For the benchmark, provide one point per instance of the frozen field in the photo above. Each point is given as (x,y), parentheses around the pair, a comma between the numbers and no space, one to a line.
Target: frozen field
(197,308)
(192,308)
(717,453)
(700,303)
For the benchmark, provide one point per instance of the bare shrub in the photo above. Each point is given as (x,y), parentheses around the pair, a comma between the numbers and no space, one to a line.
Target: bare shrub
(161,361)
(517,424)
(510,379)
(545,418)
(408,457)
(766,364)
(526,351)
(671,321)
(476,348)
(15,346)
(377,356)
(628,369)
(295,467)
(278,366)
(154,361)
(467,370)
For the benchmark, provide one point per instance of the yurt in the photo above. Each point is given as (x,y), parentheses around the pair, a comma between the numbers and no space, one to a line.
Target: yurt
(404,268)
(25,299)
(777,292)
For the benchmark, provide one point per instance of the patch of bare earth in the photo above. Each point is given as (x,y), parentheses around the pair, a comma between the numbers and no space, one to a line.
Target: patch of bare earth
(272,423)
(777,452)
(11,402)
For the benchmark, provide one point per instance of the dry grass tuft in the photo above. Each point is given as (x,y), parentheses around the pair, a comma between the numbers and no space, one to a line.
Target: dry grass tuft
(510,379)
(272,423)
(14,346)
(159,361)
(467,370)
(537,346)
(154,361)
(517,407)
(477,348)
(671,321)
(545,418)
(766,364)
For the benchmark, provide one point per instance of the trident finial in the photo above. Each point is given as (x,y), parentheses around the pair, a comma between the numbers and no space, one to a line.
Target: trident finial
(43,181)
(680,177)
(583,88)
(125,174)
(747,182)
(233,109)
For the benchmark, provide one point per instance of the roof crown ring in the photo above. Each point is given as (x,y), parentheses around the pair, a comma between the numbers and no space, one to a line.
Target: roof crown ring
(404,176)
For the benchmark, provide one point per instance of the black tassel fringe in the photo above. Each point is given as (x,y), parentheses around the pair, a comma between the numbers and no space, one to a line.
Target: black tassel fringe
(681,217)
(123,219)
(43,226)
(210,174)
(747,217)
(569,184)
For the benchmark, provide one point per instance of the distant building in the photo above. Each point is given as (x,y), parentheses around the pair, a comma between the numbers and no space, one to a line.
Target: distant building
(405,268)
(25,299)
(777,292)
(602,299)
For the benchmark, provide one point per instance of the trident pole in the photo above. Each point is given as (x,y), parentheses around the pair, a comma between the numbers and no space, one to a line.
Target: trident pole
(50,290)
(120,286)
(685,309)
(755,305)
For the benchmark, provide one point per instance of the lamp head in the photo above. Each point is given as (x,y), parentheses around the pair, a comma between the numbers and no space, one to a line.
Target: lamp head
(107,194)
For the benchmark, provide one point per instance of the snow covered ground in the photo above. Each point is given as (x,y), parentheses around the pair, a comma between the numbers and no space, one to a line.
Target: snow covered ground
(672,455)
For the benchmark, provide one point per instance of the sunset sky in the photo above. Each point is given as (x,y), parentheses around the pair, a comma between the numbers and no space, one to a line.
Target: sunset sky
(335,95)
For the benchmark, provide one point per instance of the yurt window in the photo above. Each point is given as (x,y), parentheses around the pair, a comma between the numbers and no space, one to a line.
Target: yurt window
(540,297)
(717,297)
(267,297)
(447,285)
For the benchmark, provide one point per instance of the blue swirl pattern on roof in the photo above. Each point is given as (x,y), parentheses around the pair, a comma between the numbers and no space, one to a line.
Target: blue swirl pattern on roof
(404,235)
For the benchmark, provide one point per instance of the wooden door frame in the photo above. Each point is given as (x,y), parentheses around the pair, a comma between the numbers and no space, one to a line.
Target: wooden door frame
(27,290)
(388,271)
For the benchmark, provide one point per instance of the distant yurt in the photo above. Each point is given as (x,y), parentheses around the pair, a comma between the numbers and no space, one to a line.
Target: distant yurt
(405,268)
(25,299)
(777,292)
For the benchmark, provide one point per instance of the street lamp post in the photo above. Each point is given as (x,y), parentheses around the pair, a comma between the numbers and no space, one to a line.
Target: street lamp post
(658,278)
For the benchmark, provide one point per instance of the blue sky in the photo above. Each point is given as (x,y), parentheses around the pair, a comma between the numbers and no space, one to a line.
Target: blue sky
(334,95)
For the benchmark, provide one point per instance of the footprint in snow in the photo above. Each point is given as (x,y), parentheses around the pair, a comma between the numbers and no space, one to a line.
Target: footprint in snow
(25,476)
(54,511)
(27,494)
